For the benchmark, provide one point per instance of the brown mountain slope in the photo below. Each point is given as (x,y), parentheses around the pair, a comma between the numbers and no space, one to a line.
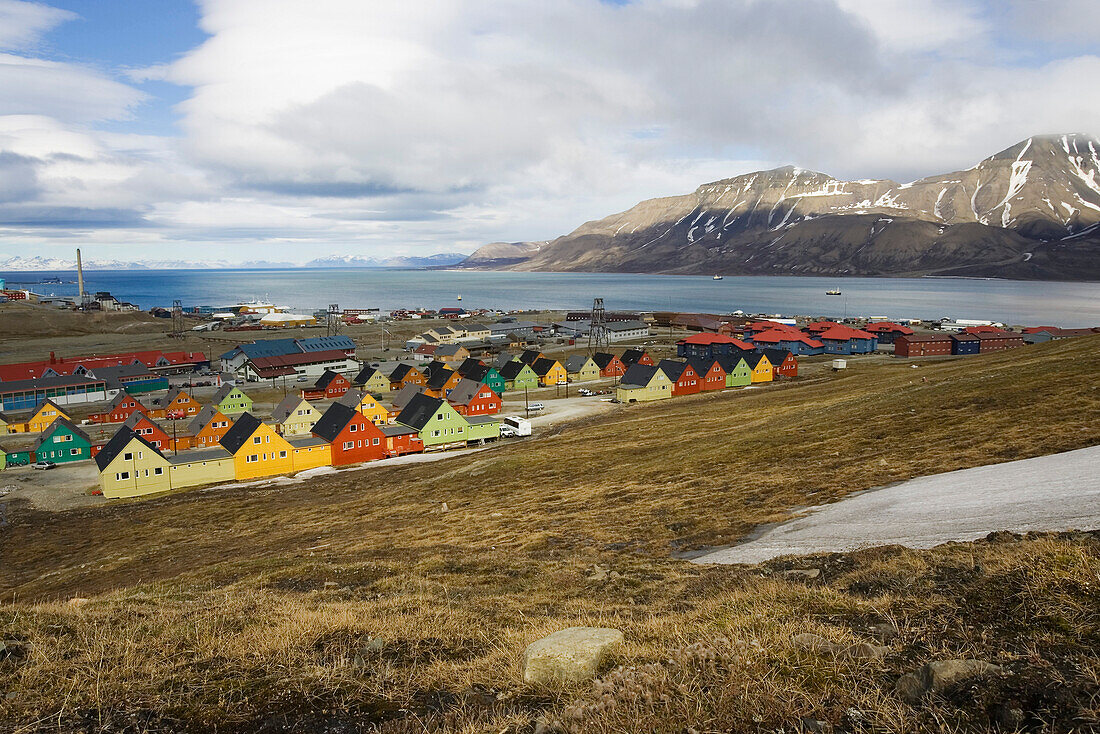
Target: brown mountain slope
(1030,211)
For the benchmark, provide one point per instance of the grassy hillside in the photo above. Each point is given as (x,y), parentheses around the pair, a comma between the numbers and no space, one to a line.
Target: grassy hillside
(356,597)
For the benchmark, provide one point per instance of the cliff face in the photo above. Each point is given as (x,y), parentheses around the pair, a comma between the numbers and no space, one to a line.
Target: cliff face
(1030,211)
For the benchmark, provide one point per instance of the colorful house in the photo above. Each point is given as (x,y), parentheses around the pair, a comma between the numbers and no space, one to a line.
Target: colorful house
(471,398)
(441,380)
(207,429)
(353,437)
(371,380)
(401,440)
(438,424)
(709,346)
(710,371)
(760,365)
(581,368)
(964,344)
(368,405)
(790,340)
(143,426)
(119,410)
(310,452)
(473,369)
(329,386)
(406,374)
(19,451)
(643,383)
(840,339)
(550,372)
(635,356)
(737,369)
(130,466)
(294,416)
(685,379)
(62,443)
(451,354)
(177,404)
(784,363)
(609,364)
(258,451)
(922,345)
(519,376)
(43,417)
(482,429)
(887,331)
(5,421)
(402,397)
(231,400)
(530,356)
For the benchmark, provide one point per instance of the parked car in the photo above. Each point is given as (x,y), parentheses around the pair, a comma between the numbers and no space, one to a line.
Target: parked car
(535,407)
(43,465)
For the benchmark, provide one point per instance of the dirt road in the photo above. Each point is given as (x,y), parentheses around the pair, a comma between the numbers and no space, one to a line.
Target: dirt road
(1056,492)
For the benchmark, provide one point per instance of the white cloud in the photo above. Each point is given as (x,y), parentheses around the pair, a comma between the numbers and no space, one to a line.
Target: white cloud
(23,23)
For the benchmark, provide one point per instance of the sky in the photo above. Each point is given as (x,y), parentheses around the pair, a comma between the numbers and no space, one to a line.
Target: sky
(286,130)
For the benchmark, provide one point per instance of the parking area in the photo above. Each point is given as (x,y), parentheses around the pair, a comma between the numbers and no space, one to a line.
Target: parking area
(64,487)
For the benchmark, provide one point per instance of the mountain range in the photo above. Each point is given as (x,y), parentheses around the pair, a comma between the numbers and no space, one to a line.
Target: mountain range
(1029,211)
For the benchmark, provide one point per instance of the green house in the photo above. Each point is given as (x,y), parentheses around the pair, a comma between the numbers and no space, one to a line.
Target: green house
(230,400)
(482,428)
(63,442)
(435,421)
(738,371)
(519,376)
(494,381)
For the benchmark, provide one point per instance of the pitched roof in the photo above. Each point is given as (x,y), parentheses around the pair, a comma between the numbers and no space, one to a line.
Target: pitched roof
(172,395)
(543,366)
(703,365)
(672,368)
(529,356)
(397,430)
(241,431)
(465,391)
(776,356)
(192,456)
(223,392)
(334,420)
(118,442)
(365,375)
(965,338)
(434,366)
(419,411)
(575,363)
(325,380)
(705,339)
(473,369)
(626,325)
(42,383)
(753,358)
(64,423)
(137,417)
(884,326)
(400,371)
(502,359)
(630,356)
(402,397)
(844,333)
(439,377)
(283,410)
(602,359)
(511,370)
(291,360)
(639,375)
(449,350)
(730,362)
(113,375)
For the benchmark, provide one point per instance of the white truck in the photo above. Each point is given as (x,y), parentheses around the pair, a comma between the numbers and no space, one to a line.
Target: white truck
(513,426)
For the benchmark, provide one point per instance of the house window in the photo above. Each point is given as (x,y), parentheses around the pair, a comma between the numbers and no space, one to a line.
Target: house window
(282,454)
(122,475)
(74,452)
(353,428)
(127,457)
(157,471)
(376,441)
(256,439)
(251,458)
(348,445)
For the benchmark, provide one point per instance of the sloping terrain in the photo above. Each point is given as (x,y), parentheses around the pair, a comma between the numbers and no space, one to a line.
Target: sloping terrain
(356,600)
(1030,211)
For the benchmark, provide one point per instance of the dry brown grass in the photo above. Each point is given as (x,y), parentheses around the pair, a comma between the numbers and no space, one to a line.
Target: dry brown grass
(247,608)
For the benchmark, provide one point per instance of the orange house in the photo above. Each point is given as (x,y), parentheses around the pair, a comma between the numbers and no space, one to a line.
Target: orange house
(119,410)
(609,364)
(406,374)
(685,379)
(206,430)
(178,404)
(714,377)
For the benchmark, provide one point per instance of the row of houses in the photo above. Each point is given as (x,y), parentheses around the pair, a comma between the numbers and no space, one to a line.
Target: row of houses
(671,378)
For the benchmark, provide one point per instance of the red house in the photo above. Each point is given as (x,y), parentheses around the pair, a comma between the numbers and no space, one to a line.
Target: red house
(353,436)
(922,345)
(686,380)
(636,356)
(887,331)
(609,364)
(401,440)
(784,363)
(984,329)
(470,397)
(714,377)
(121,408)
(330,385)
(991,342)
(143,426)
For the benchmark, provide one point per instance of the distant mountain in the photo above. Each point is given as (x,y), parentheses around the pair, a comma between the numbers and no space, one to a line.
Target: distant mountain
(503,253)
(1030,211)
(353,261)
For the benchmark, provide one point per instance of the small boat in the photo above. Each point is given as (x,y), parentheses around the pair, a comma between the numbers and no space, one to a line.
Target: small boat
(833,292)
(717,277)
(460,296)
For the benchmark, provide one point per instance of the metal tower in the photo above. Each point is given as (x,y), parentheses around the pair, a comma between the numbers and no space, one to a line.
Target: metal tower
(332,323)
(177,318)
(598,336)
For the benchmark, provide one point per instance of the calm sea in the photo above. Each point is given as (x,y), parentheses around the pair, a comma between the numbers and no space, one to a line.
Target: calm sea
(1012,302)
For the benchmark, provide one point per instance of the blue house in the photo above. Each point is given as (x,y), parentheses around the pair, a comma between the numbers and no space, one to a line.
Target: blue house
(965,344)
(790,340)
(845,340)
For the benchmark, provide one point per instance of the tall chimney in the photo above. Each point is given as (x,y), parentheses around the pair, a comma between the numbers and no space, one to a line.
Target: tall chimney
(79,276)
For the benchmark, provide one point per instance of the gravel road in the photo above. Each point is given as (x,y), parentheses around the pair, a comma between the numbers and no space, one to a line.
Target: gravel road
(1056,492)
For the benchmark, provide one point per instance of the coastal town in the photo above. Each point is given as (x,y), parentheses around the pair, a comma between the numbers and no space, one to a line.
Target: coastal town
(155,421)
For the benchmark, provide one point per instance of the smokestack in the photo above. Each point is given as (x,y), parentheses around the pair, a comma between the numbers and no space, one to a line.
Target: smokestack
(79,276)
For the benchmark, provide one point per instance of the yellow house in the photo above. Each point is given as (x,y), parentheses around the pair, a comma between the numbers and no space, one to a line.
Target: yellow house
(643,383)
(365,403)
(295,416)
(258,451)
(581,368)
(762,370)
(204,466)
(371,380)
(550,371)
(129,466)
(310,452)
(42,418)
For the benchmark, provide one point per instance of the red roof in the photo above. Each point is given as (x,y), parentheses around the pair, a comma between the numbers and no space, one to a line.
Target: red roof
(1037,329)
(66,366)
(821,325)
(774,336)
(290,360)
(707,339)
(881,326)
(984,330)
(765,325)
(269,372)
(844,333)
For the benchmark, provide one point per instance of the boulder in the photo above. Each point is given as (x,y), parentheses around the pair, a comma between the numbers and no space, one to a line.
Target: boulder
(569,655)
(940,675)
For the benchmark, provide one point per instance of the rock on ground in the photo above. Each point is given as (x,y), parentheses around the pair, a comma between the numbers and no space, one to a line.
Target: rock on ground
(569,655)
(940,675)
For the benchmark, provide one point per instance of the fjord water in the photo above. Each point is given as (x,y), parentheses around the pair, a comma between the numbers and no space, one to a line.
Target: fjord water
(1013,302)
